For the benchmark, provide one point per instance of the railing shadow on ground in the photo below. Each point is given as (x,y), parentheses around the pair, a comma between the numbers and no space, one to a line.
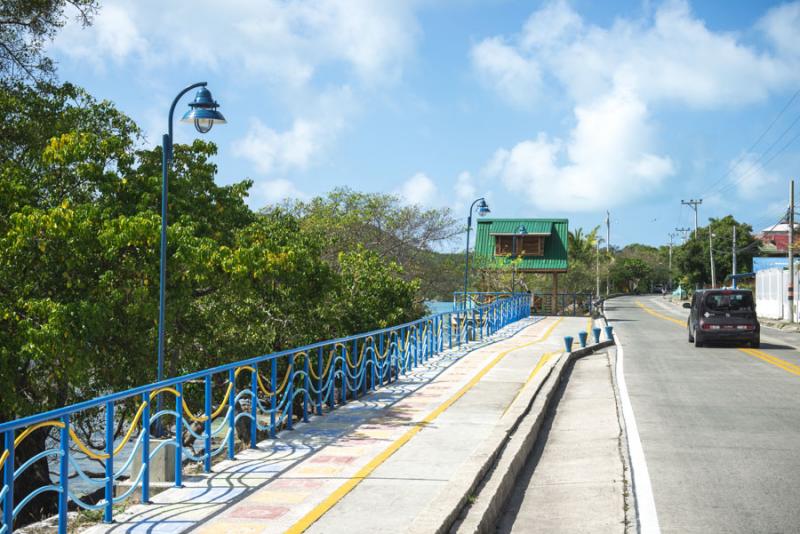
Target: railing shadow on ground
(307,439)
(316,378)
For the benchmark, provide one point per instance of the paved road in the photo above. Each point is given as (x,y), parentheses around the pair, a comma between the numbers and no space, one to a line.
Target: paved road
(720,426)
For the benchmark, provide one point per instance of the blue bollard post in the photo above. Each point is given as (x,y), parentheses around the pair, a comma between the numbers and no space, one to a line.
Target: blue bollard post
(596,333)
(582,337)
(568,343)
(610,333)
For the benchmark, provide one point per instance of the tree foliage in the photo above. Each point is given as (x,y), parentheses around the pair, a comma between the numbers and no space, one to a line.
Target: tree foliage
(79,241)
(26,26)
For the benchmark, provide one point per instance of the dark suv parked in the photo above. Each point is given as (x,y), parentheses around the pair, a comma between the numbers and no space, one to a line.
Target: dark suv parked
(723,315)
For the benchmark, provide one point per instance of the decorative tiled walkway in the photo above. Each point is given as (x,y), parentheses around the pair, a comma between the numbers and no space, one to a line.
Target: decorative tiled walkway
(281,484)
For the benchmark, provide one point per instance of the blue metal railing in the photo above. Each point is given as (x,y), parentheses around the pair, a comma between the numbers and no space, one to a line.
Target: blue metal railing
(480,298)
(314,377)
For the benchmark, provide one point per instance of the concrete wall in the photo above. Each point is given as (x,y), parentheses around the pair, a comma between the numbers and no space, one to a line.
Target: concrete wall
(772,296)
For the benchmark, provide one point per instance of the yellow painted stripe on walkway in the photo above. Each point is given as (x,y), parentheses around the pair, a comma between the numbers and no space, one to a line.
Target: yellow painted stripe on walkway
(319,510)
(787,366)
(542,361)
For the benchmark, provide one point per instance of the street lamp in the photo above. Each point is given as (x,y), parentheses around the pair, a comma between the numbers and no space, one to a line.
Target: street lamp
(203,113)
(483,209)
(521,231)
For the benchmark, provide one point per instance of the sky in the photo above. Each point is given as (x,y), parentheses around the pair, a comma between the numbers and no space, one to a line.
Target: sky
(547,109)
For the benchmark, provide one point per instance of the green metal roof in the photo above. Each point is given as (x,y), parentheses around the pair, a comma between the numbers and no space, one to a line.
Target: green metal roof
(532,226)
(555,245)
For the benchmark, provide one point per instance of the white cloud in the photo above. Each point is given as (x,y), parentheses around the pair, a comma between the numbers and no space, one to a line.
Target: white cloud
(781,25)
(465,190)
(514,77)
(273,192)
(419,189)
(750,177)
(285,42)
(270,150)
(304,142)
(606,161)
(615,75)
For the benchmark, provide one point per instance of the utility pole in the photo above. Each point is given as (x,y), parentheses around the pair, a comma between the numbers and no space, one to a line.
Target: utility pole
(597,267)
(671,237)
(711,253)
(692,203)
(608,243)
(733,246)
(685,232)
(790,291)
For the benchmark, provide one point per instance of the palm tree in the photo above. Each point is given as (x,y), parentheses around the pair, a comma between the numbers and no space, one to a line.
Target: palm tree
(580,246)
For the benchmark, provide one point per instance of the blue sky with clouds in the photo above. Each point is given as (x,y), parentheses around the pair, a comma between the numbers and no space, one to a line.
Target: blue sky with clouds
(549,108)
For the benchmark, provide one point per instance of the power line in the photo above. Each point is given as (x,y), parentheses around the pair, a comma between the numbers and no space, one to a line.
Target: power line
(758,163)
(755,143)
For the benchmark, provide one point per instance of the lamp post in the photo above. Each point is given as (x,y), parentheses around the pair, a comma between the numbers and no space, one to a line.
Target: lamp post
(203,114)
(483,209)
(521,231)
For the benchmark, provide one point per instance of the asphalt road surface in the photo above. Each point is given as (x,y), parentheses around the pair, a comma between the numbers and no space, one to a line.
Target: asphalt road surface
(720,425)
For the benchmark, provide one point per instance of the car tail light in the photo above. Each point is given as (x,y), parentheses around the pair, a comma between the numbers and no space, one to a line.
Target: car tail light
(745,327)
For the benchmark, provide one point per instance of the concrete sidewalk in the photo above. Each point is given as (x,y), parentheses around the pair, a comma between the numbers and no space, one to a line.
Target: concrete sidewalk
(574,480)
(371,464)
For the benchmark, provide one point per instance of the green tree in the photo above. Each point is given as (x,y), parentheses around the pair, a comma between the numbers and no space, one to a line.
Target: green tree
(629,273)
(693,261)
(79,240)
(25,28)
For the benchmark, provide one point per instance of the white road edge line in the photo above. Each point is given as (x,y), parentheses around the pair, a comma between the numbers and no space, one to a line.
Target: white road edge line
(645,503)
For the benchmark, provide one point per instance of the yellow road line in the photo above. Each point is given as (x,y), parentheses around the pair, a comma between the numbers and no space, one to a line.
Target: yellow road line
(774,360)
(542,361)
(659,315)
(319,510)
(789,367)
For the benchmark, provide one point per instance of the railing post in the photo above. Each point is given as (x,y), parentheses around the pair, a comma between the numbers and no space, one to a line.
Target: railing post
(63,478)
(382,359)
(450,329)
(179,436)
(207,424)
(290,393)
(8,481)
(345,373)
(373,361)
(306,386)
(400,350)
(231,414)
(254,407)
(108,512)
(273,385)
(458,326)
(320,389)
(146,448)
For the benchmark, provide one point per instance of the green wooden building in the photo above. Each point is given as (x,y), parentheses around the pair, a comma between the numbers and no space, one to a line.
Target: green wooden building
(541,245)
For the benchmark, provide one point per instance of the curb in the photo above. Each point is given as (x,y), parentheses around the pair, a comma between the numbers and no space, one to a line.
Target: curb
(474,499)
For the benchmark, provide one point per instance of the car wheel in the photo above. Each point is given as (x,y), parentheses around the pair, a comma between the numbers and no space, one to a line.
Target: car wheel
(697,342)
(691,338)
(756,343)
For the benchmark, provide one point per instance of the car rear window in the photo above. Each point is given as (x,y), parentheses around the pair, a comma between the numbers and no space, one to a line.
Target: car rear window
(729,300)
